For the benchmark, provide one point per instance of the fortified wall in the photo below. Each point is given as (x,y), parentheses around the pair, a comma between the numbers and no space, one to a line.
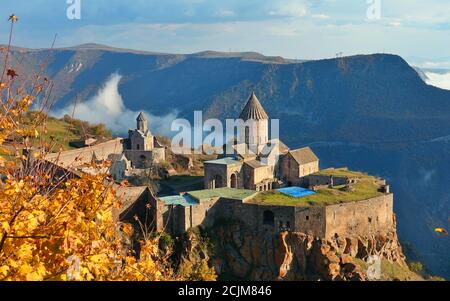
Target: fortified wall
(371,216)
(78,157)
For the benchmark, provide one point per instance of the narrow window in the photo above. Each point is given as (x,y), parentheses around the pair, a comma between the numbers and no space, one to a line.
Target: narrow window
(307,217)
(268,218)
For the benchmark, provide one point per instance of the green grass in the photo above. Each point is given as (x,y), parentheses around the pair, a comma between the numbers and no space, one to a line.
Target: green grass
(365,188)
(391,271)
(341,172)
(230,193)
(57,133)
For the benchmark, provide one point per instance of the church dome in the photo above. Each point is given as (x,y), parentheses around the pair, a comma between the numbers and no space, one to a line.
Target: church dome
(141,117)
(253,110)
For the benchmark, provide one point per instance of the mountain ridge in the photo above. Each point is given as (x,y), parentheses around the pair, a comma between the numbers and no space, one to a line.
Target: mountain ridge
(376,106)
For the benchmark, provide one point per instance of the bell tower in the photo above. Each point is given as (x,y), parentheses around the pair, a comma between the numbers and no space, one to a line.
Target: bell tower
(255,132)
(142,123)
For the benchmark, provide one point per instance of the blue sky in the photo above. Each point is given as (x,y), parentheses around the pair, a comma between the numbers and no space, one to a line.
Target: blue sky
(309,29)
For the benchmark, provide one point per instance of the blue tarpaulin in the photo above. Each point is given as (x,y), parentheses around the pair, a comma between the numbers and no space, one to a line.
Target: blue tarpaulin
(296,192)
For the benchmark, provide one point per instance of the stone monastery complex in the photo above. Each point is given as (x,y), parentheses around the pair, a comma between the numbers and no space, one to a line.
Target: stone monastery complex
(269,190)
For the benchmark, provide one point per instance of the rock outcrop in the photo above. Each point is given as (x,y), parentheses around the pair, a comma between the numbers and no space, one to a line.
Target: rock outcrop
(243,254)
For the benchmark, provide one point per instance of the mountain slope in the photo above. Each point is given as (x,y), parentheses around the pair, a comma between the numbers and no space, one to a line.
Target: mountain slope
(371,113)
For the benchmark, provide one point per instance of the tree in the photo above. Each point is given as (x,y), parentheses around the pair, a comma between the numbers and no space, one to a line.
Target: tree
(58,227)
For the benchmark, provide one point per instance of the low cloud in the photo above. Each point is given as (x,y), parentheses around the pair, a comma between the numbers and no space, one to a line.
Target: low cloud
(440,80)
(107,107)
(289,9)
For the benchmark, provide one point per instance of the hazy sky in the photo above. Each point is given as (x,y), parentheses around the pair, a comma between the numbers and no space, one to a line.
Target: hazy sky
(291,28)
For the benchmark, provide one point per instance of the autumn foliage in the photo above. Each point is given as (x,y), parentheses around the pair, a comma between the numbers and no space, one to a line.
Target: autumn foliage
(61,228)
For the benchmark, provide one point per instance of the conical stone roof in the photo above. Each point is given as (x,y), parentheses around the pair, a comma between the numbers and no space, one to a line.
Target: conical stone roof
(253,109)
(142,117)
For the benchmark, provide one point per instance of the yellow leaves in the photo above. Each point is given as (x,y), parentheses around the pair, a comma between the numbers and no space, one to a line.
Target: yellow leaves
(13,18)
(32,273)
(25,269)
(127,229)
(49,220)
(5,227)
(441,230)
(12,187)
(99,258)
(4,271)
(25,251)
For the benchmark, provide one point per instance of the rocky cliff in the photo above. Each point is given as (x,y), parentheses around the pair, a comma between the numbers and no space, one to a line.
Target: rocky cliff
(371,113)
(238,253)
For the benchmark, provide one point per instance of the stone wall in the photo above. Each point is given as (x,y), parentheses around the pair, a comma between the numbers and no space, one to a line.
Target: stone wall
(142,159)
(289,169)
(309,168)
(319,180)
(310,220)
(262,173)
(367,217)
(353,219)
(78,157)
(212,171)
(219,175)
(140,142)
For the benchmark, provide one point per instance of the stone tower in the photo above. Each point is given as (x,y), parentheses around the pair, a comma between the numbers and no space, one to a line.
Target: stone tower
(142,123)
(255,132)
(141,139)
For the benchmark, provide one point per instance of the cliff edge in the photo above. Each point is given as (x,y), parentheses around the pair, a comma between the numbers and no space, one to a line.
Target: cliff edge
(238,253)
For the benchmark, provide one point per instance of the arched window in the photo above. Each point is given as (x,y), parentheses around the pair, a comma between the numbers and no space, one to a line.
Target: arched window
(217,182)
(247,135)
(268,218)
(234,182)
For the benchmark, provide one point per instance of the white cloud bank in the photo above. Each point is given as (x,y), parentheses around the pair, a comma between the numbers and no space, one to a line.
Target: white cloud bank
(107,107)
(440,80)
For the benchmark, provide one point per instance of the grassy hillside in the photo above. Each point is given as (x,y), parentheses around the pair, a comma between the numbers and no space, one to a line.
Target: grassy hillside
(56,134)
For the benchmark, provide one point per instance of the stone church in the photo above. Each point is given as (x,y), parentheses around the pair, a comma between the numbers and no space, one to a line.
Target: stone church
(141,151)
(143,148)
(257,162)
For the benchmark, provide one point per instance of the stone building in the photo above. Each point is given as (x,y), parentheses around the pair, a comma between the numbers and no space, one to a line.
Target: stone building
(176,214)
(141,150)
(120,166)
(257,162)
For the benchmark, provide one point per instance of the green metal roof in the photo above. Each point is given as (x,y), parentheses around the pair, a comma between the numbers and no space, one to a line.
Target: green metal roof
(224,161)
(229,193)
(183,200)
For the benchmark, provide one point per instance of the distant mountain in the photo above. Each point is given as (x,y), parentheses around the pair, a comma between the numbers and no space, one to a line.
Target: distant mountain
(368,112)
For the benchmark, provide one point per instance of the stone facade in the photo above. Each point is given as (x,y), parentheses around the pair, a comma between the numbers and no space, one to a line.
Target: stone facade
(120,166)
(256,162)
(144,149)
(78,157)
(139,151)
(366,217)
(360,218)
